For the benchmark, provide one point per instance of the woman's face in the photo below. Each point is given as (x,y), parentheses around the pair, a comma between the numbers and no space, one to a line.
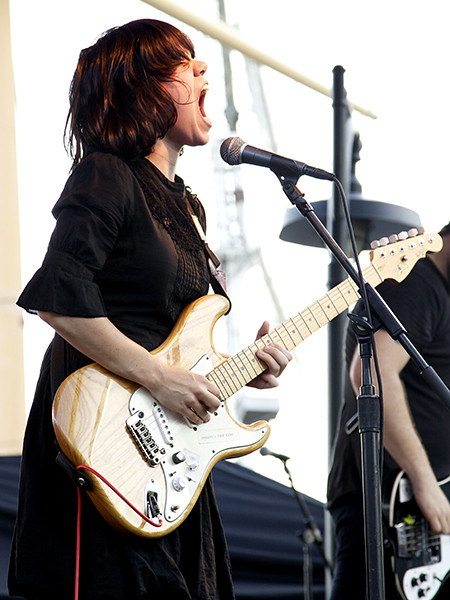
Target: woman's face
(188,92)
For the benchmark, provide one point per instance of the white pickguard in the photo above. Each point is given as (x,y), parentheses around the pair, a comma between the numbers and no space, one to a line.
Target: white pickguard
(425,581)
(183,450)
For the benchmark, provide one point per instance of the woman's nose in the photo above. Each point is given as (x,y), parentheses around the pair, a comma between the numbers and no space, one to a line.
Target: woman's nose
(200,68)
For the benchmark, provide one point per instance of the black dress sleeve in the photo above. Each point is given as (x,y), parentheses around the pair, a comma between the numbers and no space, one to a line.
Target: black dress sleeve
(94,207)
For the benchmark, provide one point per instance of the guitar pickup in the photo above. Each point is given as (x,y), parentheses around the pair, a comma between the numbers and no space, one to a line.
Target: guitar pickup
(163,424)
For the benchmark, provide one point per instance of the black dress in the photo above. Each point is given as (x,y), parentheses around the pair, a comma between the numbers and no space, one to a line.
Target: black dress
(124,247)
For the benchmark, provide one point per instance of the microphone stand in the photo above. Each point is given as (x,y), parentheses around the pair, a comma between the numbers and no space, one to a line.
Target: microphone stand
(310,535)
(368,403)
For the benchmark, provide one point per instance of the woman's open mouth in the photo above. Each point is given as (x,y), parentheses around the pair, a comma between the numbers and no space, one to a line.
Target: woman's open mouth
(201,104)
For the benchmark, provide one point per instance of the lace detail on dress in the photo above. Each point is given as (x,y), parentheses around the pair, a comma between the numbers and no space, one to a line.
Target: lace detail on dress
(171,204)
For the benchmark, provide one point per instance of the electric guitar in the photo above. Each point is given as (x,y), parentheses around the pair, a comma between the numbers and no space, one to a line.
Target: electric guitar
(420,559)
(146,464)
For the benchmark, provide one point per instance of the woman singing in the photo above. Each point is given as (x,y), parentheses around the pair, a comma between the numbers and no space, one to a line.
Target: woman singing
(124,260)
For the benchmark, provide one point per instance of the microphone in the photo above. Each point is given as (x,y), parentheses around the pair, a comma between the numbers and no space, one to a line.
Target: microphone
(266,452)
(235,151)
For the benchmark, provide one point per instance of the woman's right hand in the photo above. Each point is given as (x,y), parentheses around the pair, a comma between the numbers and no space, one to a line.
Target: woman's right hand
(185,393)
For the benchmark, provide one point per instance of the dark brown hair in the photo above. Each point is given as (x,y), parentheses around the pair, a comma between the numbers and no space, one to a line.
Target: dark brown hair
(117,101)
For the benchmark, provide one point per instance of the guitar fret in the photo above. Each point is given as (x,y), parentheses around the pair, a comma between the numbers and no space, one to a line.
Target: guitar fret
(327,310)
(279,336)
(258,345)
(236,372)
(345,288)
(318,313)
(219,382)
(251,361)
(308,321)
(354,289)
(226,378)
(284,337)
(302,327)
(338,298)
(231,376)
(311,310)
(212,376)
(293,331)
(261,342)
(289,346)
(240,365)
(297,329)
(337,311)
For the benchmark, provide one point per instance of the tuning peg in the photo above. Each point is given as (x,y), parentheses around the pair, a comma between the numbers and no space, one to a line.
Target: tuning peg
(393,238)
(412,232)
(384,241)
(403,235)
(374,244)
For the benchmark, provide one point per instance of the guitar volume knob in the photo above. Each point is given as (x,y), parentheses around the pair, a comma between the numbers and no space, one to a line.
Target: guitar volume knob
(179,483)
(178,458)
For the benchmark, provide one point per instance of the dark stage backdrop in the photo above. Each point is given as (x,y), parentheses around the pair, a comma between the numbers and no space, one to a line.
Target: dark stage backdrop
(263,524)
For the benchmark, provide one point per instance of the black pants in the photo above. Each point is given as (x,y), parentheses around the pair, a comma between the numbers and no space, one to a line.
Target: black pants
(349,578)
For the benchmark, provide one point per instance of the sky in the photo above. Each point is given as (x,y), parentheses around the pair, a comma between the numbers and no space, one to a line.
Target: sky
(395,56)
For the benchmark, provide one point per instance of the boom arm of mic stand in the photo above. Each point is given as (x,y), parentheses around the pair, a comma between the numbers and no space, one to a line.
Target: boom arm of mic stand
(384,314)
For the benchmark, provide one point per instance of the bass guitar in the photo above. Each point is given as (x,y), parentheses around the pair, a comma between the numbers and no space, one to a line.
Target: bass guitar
(420,559)
(146,464)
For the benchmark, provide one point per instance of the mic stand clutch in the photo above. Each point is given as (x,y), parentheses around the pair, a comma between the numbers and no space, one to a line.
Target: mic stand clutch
(369,411)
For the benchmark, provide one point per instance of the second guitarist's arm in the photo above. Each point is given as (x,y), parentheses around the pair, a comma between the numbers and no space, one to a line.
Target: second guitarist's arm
(401,439)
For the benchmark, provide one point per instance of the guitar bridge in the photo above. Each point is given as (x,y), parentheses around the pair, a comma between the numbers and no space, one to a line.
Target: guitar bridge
(415,540)
(144,439)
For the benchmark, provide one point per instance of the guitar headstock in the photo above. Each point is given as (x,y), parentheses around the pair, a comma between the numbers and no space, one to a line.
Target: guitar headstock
(394,257)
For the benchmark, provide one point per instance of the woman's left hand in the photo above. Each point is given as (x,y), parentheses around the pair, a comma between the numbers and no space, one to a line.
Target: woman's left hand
(274,357)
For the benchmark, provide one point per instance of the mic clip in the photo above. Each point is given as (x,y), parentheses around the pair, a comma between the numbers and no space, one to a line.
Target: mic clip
(286,170)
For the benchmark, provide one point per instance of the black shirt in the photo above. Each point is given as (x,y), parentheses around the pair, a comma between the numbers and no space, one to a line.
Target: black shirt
(422,304)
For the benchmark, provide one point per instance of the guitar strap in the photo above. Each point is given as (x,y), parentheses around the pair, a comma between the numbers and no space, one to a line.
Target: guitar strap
(216,276)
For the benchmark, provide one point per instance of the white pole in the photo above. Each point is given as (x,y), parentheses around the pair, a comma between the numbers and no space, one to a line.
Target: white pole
(12,394)
(228,36)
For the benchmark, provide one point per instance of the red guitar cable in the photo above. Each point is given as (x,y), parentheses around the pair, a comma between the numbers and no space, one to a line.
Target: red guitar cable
(78,542)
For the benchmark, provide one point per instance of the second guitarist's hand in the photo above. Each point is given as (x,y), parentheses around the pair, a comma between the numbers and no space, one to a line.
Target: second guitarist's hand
(433,503)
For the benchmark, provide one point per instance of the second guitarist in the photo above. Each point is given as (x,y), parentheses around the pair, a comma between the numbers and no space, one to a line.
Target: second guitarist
(416,423)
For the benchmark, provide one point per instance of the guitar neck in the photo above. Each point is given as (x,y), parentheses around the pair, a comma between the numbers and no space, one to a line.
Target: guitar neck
(240,369)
